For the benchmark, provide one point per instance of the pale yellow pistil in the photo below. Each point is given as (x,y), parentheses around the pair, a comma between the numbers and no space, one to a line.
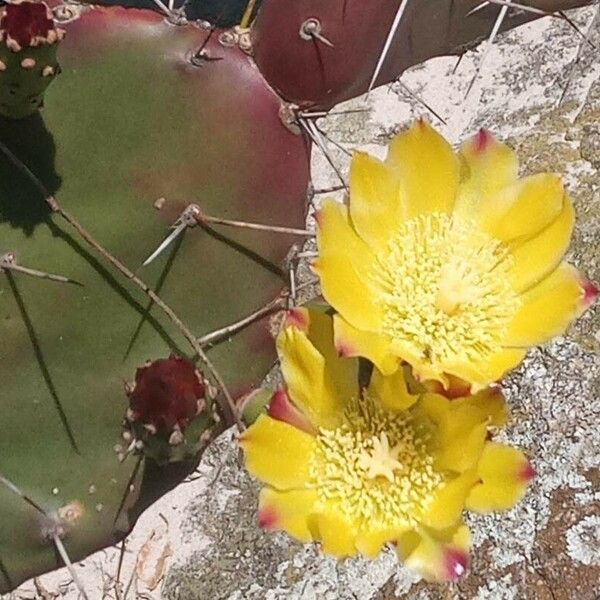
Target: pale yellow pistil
(382,460)
(445,290)
(455,290)
(375,469)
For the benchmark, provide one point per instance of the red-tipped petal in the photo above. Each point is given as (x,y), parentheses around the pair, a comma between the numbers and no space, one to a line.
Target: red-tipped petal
(345,350)
(590,293)
(483,139)
(505,474)
(282,409)
(267,518)
(299,318)
(314,266)
(456,387)
(319,218)
(528,473)
(456,563)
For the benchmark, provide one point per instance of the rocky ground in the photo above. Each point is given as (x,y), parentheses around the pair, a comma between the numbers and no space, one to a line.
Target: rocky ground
(540,91)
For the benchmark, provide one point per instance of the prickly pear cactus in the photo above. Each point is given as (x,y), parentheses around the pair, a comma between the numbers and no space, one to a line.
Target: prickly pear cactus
(144,119)
(105,397)
(321,53)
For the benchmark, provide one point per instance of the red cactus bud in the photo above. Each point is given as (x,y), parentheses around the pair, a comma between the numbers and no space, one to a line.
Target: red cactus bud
(27,24)
(167,393)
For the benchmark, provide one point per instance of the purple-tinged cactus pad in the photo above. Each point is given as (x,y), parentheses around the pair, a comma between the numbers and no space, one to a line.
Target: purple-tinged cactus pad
(138,126)
(312,73)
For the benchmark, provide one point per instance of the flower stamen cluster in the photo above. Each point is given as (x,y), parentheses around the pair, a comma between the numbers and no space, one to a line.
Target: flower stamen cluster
(445,291)
(355,471)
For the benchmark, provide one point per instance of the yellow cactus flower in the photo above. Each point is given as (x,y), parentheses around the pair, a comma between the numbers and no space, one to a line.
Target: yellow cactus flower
(448,261)
(355,469)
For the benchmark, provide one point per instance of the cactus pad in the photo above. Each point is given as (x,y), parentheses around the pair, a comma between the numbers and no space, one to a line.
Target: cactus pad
(146,118)
(103,402)
(338,62)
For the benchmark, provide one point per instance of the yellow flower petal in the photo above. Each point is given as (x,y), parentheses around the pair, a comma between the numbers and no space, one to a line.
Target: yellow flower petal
(537,257)
(522,209)
(336,535)
(461,453)
(488,404)
(375,204)
(505,474)
(351,341)
(309,384)
(344,267)
(318,327)
(449,502)
(391,390)
(278,453)
(488,166)
(500,363)
(492,369)
(456,387)
(438,556)
(371,543)
(548,308)
(428,168)
(287,510)
(461,426)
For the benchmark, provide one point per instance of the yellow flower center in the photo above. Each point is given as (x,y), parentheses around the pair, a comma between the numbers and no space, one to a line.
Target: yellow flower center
(447,295)
(376,468)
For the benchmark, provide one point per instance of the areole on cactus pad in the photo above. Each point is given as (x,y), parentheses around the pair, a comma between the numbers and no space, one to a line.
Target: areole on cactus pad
(138,125)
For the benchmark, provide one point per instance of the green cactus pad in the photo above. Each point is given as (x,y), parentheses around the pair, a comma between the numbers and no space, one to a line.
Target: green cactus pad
(138,126)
